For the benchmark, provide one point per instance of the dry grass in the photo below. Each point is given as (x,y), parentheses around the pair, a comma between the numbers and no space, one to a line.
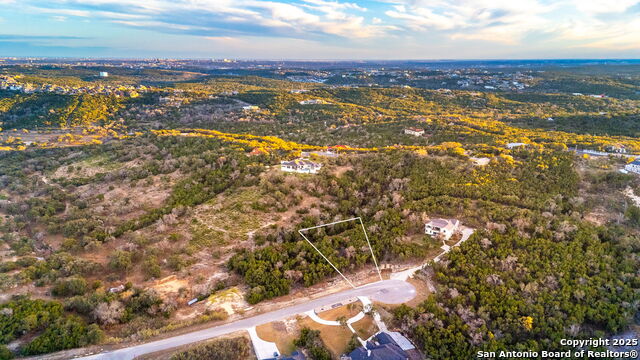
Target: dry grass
(422,292)
(231,300)
(283,333)
(366,327)
(170,284)
(89,167)
(338,171)
(335,338)
(348,311)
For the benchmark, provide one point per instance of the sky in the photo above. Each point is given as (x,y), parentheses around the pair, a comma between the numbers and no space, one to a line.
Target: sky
(321,29)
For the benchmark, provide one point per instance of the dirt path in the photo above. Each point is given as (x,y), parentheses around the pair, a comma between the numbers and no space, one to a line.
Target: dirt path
(251,233)
(629,192)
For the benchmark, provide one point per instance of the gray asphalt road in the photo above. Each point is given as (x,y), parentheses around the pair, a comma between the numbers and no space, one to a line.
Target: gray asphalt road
(387,291)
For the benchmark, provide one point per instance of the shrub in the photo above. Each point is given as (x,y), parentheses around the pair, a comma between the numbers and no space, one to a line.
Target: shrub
(5,353)
(121,260)
(65,333)
(70,287)
(223,349)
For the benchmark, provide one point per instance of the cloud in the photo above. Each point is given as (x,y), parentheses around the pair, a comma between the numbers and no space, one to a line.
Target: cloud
(594,33)
(504,21)
(602,23)
(280,18)
(604,6)
(359,26)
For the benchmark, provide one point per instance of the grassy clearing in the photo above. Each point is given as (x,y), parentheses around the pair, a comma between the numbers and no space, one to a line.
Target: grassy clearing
(204,237)
(228,301)
(232,214)
(87,167)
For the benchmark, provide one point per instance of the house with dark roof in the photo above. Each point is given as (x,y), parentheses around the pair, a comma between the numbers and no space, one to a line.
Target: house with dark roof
(634,166)
(296,355)
(386,345)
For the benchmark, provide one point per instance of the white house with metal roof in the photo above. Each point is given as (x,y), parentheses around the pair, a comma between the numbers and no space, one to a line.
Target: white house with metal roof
(301,166)
(442,227)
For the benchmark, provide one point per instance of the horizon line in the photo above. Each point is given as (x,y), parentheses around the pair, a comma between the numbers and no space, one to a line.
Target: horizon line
(243,59)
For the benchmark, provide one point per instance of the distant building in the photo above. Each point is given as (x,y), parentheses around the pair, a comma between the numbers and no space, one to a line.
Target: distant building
(104,74)
(633,167)
(414,131)
(388,345)
(515,145)
(617,148)
(250,108)
(441,227)
(300,166)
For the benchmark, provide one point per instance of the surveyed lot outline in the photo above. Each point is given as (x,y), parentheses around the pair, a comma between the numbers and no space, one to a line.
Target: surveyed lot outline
(301,232)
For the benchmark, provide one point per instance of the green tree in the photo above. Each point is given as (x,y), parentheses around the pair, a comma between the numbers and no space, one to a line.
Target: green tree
(121,260)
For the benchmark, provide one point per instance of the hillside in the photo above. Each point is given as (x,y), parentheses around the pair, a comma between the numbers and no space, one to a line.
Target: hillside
(117,211)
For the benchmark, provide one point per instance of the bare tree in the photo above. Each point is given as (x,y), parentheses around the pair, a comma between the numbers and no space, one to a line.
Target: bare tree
(109,313)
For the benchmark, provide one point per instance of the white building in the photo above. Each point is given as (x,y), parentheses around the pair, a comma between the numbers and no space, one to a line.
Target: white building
(441,227)
(515,145)
(633,167)
(104,74)
(250,108)
(300,166)
(414,131)
(617,148)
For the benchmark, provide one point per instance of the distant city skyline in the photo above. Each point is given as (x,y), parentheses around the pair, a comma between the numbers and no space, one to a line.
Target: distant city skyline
(321,29)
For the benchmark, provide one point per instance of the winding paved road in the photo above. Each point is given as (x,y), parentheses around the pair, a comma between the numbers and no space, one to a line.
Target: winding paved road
(386,291)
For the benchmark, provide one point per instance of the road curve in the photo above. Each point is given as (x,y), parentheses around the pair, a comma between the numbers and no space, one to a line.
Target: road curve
(386,291)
